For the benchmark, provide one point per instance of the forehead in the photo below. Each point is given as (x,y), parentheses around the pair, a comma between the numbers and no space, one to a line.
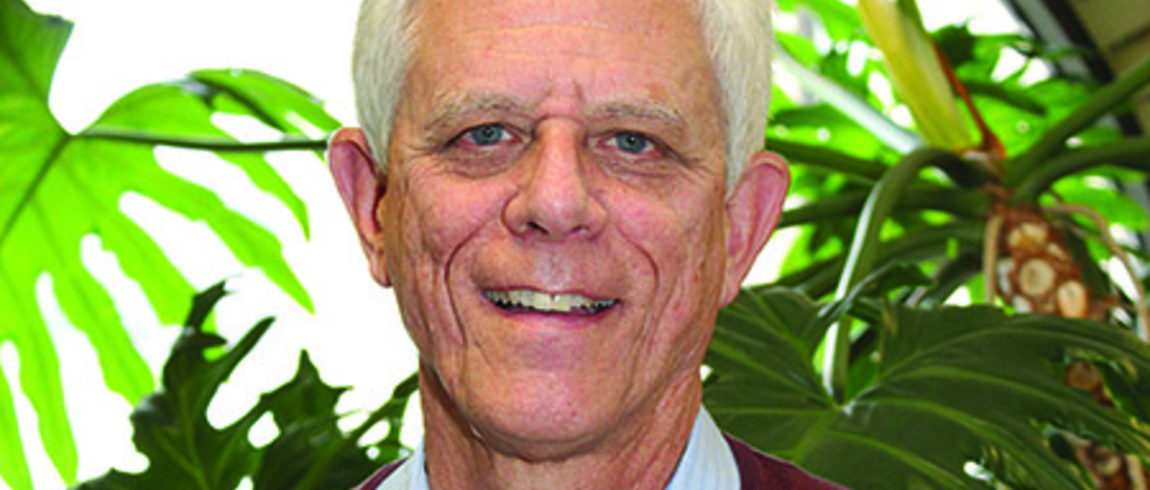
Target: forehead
(643,49)
(631,15)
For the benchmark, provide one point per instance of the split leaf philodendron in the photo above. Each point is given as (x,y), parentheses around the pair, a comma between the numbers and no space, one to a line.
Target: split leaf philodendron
(310,452)
(59,188)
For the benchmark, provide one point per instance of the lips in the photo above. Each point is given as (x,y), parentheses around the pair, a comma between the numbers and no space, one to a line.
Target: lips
(527,301)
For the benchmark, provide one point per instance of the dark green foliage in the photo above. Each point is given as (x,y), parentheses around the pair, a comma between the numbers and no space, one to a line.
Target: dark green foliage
(924,396)
(943,388)
(185,452)
(837,153)
(1019,110)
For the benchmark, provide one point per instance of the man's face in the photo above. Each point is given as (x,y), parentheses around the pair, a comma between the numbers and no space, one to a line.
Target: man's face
(554,217)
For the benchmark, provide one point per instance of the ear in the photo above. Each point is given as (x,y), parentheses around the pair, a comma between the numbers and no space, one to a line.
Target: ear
(362,188)
(753,210)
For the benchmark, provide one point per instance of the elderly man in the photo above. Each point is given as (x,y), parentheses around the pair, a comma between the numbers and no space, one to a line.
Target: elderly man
(563,194)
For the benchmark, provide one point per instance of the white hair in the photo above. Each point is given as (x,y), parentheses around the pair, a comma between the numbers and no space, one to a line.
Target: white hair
(739,42)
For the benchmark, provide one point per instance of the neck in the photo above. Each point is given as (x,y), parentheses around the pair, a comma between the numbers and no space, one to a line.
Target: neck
(640,453)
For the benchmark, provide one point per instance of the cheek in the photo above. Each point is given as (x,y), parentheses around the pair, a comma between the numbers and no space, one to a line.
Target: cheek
(433,218)
(681,235)
(443,212)
(682,240)
(695,293)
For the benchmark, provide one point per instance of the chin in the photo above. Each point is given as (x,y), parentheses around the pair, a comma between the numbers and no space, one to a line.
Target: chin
(544,419)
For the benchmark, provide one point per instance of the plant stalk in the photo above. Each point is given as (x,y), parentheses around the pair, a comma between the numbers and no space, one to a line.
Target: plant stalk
(959,203)
(1129,153)
(217,144)
(861,258)
(1054,141)
(819,279)
(828,159)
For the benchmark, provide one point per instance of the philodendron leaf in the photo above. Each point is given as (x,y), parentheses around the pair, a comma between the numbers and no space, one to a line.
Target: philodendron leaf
(171,427)
(311,452)
(305,411)
(186,452)
(57,188)
(954,386)
(31,44)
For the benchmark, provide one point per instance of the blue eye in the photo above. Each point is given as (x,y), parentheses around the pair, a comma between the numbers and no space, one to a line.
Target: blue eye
(633,143)
(487,135)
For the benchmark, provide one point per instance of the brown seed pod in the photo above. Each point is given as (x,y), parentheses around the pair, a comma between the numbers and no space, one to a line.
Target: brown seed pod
(1073,300)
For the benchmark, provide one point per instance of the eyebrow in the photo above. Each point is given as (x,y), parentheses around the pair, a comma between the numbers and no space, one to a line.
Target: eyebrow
(660,114)
(453,106)
(647,110)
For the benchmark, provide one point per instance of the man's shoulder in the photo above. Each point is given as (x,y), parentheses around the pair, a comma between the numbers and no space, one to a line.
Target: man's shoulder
(376,479)
(761,471)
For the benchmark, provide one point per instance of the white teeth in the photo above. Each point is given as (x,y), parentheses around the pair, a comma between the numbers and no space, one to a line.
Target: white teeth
(557,303)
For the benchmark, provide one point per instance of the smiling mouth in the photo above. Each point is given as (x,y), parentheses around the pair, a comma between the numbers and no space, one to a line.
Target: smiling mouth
(525,301)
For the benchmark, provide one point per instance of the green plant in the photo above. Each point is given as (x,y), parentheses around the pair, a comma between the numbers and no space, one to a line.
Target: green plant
(57,188)
(949,388)
(310,452)
(913,394)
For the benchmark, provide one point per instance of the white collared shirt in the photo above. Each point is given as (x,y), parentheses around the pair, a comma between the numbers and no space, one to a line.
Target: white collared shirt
(708,463)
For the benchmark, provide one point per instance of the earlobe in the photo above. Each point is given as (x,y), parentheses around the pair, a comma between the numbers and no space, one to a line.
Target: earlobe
(362,188)
(753,210)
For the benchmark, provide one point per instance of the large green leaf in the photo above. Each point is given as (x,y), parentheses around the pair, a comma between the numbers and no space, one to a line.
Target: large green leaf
(953,386)
(185,452)
(29,47)
(57,188)
(12,465)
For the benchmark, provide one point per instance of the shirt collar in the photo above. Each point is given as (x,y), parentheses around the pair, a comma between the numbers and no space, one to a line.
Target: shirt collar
(706,463)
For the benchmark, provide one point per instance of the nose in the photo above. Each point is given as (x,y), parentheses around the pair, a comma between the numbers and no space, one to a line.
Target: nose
(555,201)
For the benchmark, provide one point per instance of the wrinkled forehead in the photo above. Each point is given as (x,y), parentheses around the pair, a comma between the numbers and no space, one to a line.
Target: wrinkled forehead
(511,13)
(602,38)
(639,17)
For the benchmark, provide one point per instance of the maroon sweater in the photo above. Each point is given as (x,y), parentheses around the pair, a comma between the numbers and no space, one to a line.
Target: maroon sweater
(757,471)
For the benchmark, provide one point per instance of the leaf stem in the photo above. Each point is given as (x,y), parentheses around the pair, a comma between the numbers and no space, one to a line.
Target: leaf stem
(827,159)
(864,248)
(996,91)
(212,144)
(1129,153)
(960,203)
(1054,141)
(818,279)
